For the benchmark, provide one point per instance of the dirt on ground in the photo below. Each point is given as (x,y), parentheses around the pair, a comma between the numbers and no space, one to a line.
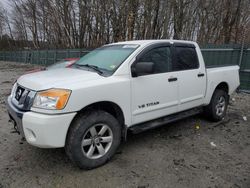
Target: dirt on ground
(189,153)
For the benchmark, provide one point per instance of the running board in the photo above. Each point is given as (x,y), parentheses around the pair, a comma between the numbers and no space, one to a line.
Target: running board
(163,120)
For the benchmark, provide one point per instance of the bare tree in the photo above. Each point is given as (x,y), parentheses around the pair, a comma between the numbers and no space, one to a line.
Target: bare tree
(84,23)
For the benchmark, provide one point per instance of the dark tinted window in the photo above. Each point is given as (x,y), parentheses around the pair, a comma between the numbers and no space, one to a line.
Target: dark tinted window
(186,58)
(161,57)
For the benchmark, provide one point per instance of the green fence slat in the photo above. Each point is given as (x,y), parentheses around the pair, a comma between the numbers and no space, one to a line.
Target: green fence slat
(228,54)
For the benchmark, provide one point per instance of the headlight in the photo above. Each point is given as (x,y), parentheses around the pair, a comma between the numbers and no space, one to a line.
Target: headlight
(13,90)
(54,99)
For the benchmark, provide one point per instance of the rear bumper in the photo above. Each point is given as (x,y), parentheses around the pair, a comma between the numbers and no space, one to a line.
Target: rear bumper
(41,130)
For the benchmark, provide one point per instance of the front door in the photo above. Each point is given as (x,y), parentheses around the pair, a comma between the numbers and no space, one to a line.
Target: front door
(156,94)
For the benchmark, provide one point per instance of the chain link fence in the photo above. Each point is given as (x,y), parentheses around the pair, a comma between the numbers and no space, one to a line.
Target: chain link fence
(41,57)
(213,55)
(230,55)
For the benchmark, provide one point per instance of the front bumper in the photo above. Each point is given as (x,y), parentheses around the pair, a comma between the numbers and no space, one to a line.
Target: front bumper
(15,116)
(41,130)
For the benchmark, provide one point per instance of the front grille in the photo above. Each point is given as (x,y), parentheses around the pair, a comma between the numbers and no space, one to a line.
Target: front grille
(22,97)
(19,92)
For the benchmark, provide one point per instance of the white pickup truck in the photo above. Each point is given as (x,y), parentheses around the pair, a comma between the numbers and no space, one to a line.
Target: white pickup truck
(134,85)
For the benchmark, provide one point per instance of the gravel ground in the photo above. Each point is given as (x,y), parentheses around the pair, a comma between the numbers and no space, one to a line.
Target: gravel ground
(189,153)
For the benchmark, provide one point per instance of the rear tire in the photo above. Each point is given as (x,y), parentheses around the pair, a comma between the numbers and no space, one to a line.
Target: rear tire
(93,139)
(216,110)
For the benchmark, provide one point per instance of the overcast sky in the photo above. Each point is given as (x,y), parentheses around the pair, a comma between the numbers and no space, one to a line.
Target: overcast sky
(5,4)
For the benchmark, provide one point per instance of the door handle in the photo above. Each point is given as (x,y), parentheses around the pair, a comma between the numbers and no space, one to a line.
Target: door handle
(172,79)
(201,75)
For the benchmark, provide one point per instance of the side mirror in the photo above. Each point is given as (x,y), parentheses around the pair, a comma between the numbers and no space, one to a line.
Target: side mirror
(142,68)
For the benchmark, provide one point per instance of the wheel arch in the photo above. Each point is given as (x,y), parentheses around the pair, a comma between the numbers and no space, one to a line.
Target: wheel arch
(212,87)
(222,86)
(107,106)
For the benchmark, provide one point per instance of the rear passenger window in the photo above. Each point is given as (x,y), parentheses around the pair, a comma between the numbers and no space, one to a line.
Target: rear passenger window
(186,58)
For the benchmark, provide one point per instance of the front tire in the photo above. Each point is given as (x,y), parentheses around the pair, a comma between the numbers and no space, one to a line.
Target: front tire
(93,139)
(216,110)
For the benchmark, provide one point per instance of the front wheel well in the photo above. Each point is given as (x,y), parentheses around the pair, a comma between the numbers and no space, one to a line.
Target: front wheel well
(109,107)
(106,106)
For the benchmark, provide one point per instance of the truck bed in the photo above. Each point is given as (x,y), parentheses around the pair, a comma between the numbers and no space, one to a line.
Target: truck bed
(222,74)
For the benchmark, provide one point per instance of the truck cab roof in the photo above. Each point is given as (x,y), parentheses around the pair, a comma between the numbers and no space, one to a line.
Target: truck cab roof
(148,42)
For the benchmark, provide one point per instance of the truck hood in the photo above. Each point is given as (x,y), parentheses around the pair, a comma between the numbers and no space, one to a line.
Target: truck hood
(56,78)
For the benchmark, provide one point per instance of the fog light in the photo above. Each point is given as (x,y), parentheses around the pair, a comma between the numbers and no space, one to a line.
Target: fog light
(31,136)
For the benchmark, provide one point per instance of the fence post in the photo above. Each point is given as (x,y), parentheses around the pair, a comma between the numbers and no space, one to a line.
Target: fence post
(47,56)
(242,49)
(39,57)
(25,54)
(32,57)
(55,56)
(68,53)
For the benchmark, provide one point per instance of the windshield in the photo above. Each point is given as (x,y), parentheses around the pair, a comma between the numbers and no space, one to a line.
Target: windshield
(108,58)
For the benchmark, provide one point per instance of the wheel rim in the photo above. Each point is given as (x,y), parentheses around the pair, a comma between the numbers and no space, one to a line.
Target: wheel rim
(97,141)
(220,106)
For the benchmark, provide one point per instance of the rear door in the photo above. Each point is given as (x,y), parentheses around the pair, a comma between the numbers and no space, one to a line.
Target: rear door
(156,94)
(191,76)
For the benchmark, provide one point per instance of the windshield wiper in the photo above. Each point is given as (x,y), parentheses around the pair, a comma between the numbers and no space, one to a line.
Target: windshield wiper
(93,67)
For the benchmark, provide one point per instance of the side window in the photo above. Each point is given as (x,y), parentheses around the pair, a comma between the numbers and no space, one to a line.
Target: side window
(161,57)
(186,58)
